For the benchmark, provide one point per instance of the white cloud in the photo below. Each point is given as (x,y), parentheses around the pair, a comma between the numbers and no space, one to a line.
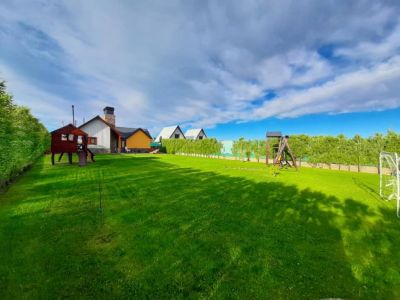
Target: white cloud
(48,108)
(200,63)
(378,50)
(375,88)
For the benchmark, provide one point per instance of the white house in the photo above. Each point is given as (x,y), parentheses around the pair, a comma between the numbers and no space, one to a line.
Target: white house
(195,134)
(171,132)
(102,134)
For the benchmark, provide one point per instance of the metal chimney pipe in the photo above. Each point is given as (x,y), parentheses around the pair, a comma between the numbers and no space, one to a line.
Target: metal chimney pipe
(73,115)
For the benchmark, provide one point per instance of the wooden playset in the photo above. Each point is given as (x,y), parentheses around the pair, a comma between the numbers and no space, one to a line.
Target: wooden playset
(281,153)
(69,139)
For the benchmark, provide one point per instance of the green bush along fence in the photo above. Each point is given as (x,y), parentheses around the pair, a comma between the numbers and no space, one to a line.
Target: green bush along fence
(340,150)
(22,137)
(203,147)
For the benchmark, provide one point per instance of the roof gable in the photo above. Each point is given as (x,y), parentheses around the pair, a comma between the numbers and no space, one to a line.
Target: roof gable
(167,132)
(105,122)
(194,133)
(69,129)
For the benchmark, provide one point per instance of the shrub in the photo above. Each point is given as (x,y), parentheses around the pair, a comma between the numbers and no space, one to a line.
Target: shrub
(22,137)
(339,149)
(205,147)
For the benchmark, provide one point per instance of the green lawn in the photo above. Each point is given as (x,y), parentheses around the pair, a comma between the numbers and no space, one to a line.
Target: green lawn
(184,227)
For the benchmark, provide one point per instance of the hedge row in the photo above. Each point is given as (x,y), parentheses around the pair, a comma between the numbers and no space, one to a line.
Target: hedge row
(203,147)
(328,149)
(22,137)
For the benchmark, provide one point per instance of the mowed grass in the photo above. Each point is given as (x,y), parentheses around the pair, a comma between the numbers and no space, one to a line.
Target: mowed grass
(175,227)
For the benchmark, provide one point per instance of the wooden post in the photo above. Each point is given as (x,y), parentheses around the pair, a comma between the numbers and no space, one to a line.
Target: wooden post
(278,156)
(52,158)
(70,158)
(82,158)
(293,158)
(61,155)
(91,155)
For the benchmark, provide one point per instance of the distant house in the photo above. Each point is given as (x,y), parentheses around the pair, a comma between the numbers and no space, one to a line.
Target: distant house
(195,134)
(135,139)
(172,132)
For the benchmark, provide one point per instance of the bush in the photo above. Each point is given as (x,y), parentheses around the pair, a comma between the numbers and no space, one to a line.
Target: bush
(22,137)
(204,147)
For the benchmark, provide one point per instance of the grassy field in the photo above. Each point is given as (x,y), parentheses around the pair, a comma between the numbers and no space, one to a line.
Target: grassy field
(184,227)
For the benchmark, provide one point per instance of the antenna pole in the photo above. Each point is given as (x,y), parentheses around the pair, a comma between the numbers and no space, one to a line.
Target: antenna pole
(73,115)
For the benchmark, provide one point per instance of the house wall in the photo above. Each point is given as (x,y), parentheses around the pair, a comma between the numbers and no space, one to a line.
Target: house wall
(102,132)
(201,136)
(177,131)
(138,141)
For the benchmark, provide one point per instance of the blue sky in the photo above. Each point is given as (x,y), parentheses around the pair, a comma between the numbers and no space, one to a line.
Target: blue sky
(236,68)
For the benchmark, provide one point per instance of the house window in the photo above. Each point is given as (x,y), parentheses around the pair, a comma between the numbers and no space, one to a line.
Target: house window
(177,135)
(93,141)
(64,137)
(70,137)
(80,140)
(200,137)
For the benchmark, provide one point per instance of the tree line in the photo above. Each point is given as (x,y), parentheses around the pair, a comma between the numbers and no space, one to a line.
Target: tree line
(203,147)
(22,137)
(329,150)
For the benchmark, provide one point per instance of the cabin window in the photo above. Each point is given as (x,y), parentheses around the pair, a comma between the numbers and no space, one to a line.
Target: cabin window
(93,141)
(200,137)
(70,137)
(177,135)
(80,141)
(64,137)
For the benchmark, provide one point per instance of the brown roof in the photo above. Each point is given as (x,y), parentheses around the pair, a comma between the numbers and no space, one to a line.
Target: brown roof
(128,132)
(69,129)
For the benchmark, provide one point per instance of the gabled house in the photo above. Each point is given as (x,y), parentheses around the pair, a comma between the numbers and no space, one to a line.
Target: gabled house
(103,137)
(171,132)
(195,134)
(135,139)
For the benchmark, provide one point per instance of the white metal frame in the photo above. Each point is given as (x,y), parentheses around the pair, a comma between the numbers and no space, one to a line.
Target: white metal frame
(393,160)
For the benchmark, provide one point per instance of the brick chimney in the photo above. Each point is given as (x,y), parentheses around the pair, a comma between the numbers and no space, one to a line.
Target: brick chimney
(109,116)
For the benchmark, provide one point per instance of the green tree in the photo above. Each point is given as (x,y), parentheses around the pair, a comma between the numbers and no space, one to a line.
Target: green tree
(300,145)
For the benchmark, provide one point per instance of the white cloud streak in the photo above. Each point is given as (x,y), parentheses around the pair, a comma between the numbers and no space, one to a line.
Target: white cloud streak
(364,90)
(200,63)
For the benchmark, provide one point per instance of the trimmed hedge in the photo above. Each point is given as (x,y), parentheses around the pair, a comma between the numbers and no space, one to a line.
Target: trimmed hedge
(339,149)
(203,147)
(22,138)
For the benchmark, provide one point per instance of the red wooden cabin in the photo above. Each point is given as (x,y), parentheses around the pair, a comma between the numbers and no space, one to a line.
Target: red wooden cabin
(69,139)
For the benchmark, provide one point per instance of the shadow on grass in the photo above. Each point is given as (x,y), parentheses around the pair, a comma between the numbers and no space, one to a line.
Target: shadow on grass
(172,232)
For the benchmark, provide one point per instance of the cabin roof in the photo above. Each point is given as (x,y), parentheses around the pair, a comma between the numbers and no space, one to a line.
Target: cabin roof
(126,132)
(69,129)
(193,133)
(274,134)
(167,132)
